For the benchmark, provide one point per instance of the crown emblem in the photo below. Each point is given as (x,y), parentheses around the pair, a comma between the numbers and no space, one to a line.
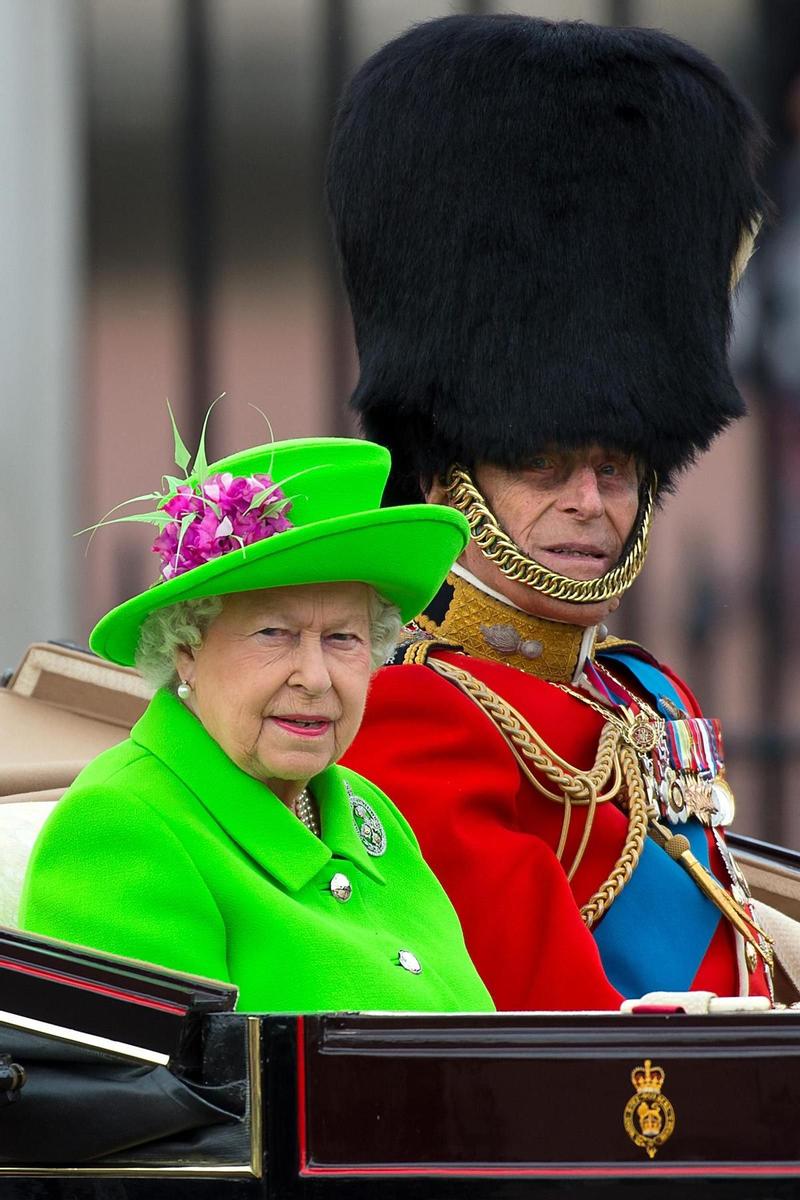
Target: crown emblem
(649,1118)
(647,1078)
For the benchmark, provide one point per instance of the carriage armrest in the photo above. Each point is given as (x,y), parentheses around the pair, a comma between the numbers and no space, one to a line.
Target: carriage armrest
(773,872)
(61,708)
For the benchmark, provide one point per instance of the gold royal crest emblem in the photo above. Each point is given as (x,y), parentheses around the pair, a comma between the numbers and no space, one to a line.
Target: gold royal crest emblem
(649,1118)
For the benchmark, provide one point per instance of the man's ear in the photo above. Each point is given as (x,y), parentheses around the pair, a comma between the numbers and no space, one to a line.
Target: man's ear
(747,244)
(436,493)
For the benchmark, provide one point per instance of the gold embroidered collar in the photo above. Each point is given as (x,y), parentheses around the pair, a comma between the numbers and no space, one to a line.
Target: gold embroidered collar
(488,628)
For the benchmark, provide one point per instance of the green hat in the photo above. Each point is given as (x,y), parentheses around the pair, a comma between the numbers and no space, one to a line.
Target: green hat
(333,531)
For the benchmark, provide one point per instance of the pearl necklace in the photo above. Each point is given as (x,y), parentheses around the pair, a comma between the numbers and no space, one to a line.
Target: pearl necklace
(306,813)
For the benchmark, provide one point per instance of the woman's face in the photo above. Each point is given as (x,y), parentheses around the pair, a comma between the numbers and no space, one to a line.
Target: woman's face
(281,679)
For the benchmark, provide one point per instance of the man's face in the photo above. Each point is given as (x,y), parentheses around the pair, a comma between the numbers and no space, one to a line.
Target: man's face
(570,510)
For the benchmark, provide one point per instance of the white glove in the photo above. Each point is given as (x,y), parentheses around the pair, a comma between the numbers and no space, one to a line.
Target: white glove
(697,1002)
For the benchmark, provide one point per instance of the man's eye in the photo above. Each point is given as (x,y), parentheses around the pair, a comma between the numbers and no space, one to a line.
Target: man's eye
(540,463)
(623,470)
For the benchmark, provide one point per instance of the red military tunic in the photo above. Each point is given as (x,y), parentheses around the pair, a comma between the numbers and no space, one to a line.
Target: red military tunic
(491,836)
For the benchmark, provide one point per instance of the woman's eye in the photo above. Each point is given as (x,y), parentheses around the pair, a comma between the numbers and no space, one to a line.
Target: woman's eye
(343,638)
(273,631)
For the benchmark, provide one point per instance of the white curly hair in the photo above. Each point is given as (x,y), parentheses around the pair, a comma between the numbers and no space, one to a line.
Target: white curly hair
(186,624)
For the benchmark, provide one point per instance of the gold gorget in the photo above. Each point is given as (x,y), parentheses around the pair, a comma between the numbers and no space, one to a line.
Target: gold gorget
(487,628)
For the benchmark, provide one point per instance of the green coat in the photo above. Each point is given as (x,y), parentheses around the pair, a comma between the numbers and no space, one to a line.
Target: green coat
(164,850)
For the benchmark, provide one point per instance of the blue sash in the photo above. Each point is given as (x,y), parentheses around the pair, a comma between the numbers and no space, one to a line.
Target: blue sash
(657,932)
(654,682)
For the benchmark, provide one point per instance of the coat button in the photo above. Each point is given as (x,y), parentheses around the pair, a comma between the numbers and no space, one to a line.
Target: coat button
(409,962)
(341,887)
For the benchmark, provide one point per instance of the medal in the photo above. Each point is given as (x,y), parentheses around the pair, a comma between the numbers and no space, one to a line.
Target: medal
(724,804)
(681,758)
(650,786)
(643,733)
(694,758)
(677,808)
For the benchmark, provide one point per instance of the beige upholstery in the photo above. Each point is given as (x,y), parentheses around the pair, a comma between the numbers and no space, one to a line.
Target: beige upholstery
(31,778)
(20,822)
(61,708)
(785,934)
(771,882)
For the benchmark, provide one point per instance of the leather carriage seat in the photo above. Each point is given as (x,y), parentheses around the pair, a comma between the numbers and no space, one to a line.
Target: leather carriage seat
(60,708)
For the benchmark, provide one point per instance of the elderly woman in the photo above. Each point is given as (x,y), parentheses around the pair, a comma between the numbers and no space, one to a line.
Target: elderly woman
(221,839)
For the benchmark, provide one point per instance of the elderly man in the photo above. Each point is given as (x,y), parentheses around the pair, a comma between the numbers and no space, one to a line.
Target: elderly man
(539,225)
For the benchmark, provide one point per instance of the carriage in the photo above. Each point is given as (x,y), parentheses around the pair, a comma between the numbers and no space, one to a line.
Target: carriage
(121,1080)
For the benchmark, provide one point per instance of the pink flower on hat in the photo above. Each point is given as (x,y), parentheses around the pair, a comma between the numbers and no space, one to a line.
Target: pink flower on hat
(227,512)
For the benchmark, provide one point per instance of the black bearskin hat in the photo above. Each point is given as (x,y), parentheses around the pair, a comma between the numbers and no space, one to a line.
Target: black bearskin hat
(537,223)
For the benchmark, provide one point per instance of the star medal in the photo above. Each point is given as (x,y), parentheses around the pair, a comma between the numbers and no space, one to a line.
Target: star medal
(367,824)
(699,799)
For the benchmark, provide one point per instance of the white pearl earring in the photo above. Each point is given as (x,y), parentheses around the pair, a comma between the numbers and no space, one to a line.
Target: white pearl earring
(184,690)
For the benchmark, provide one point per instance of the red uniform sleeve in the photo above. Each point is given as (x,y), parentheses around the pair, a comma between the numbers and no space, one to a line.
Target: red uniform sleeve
(453,776)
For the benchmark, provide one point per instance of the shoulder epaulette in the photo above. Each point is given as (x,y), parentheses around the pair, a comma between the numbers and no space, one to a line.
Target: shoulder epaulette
(610,643)
(415,647)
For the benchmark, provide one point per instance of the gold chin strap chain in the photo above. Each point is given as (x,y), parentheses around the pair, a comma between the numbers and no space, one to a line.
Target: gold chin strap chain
(498,546)
(616,765)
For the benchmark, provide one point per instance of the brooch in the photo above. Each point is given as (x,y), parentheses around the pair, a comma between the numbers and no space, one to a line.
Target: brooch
(368,824)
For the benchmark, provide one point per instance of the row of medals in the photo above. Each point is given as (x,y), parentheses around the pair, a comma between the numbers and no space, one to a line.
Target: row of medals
(675,796)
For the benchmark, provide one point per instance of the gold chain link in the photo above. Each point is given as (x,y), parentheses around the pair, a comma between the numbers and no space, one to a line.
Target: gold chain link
(498,546)
(641,702)
(606,713)
(643,731)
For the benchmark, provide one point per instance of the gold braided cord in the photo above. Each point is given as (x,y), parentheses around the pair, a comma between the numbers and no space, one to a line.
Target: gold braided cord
(627,862)
(581,787)
(498,546)
(584,842)
(566,820)
(416,654)
(613,759)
